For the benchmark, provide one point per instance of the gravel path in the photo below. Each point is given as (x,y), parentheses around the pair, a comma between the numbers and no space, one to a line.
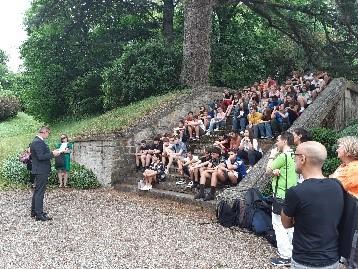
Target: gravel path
(108,229)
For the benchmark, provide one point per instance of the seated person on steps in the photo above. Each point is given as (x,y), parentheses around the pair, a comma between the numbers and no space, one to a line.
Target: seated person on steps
(188,162)
(141,154)
(155,148)
(194,170)
(217,122)
(176,152)
(232,171)
(154,173)
(249,149)
(206,173)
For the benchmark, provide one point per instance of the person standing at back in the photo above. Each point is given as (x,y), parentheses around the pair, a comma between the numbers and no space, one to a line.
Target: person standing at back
(41,168)
(314,208)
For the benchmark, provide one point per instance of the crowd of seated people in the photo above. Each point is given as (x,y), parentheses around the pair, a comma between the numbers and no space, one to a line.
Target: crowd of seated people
(261,111)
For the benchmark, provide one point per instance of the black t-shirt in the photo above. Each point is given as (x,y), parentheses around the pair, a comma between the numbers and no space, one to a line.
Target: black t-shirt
(158,146)
(316,206)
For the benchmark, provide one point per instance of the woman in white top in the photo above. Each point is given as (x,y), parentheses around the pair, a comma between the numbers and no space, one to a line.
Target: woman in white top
(249,149)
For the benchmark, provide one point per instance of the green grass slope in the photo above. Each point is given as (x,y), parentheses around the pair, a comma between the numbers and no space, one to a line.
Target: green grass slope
(17,133)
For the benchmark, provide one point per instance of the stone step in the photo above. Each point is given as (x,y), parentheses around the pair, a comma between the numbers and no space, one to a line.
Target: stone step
(165,194)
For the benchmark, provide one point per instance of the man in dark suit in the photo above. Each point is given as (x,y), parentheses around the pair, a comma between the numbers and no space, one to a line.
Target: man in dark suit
(41,168)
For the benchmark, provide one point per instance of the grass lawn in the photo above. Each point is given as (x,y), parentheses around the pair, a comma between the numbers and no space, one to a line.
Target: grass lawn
(17,133)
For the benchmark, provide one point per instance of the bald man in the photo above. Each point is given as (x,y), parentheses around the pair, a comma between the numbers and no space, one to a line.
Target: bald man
(314,208)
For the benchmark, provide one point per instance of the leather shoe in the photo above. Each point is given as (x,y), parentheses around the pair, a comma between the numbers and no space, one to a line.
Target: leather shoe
(33,214)
(43,218)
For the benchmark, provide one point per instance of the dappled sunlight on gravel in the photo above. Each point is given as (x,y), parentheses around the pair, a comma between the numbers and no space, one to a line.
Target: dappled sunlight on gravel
(108,229)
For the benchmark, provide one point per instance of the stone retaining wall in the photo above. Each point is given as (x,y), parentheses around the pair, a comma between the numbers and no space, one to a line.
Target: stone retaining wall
(335,108)
(111,157)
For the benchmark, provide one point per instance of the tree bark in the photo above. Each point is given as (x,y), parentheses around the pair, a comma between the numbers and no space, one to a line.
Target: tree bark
(168,20)
(197,45)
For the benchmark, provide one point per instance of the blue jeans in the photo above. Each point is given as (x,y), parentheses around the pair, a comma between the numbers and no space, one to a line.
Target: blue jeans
(213,124)
(238,124)
(259,130)
(268,130)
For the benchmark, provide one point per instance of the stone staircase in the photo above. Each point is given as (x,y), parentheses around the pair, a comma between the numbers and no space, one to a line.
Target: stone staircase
(169,189)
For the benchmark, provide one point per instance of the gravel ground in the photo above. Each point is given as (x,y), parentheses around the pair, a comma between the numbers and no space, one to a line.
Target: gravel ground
(108,229)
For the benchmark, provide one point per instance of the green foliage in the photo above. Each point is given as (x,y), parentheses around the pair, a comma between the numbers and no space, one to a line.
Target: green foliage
(351,130)
(330,165)
(69,45)
(328,138)
(245,49)
(14,171)
(9,105)
(144,69)
(82,178)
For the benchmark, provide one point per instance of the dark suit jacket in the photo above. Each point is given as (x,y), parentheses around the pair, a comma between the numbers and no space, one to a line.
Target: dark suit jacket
(41,156)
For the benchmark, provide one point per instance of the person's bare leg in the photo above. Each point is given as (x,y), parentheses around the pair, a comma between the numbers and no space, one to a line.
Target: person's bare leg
(190,131)
(180,166)
(65,179)
(232,178)
(171,158)
(60,179)
(197,131)
(148,159)
(142,158)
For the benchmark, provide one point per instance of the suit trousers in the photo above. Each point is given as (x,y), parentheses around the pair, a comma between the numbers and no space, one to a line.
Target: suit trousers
(39,193)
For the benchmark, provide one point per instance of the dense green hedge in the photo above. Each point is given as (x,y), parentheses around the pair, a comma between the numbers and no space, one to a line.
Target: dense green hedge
(13,171)
(144,69)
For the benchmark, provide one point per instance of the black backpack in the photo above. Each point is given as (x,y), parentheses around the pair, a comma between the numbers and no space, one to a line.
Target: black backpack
(253,213)
(224,214)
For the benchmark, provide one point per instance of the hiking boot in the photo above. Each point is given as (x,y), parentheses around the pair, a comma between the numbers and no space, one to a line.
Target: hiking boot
(280,261)
(210,196)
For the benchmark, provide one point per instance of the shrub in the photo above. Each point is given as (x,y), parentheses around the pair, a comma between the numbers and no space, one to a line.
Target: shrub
(328,138)
(330,165)
(350,130)
(144,69)
(13,171)
(82,178)
(9,105)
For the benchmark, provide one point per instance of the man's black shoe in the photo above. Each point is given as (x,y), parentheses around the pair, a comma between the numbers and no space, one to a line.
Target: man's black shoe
(33,214)
(43,218)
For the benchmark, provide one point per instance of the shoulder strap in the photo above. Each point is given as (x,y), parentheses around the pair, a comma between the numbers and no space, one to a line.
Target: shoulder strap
(286,173)
(276,187)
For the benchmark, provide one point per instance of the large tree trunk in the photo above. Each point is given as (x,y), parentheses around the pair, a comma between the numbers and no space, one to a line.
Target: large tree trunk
(168,18)
(197,46)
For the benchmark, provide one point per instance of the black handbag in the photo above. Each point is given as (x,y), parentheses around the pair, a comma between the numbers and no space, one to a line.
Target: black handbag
(60,161)
(277,203)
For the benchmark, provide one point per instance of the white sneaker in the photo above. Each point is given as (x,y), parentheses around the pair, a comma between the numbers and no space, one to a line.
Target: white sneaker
(248,170)
(166,171)
(180,182)
(207,133)
(141,184)
(190,184)
(143,188)
(216,129)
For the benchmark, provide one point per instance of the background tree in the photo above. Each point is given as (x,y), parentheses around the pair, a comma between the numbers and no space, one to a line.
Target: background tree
(326,31)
